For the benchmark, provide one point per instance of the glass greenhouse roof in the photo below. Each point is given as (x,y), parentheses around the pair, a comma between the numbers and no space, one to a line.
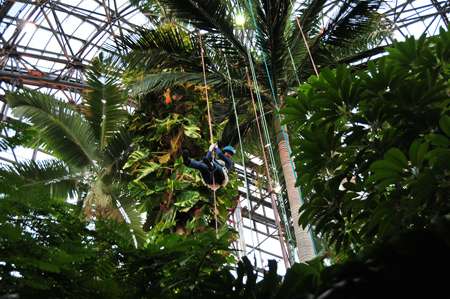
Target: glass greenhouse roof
(48,43)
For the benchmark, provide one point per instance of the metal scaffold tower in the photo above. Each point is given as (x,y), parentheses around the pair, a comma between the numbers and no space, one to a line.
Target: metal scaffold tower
(255,219)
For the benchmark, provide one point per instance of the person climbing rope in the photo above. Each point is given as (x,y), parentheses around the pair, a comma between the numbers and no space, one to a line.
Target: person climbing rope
(209,169)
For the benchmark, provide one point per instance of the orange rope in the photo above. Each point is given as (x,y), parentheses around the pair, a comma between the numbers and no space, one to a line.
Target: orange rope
(306,43)
(268,175)
(210,128)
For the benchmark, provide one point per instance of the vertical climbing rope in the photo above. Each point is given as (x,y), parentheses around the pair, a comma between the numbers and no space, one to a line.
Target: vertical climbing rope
(210,128)
(285,256)
(242,153)
(306,43)
(286,261)
(272,158)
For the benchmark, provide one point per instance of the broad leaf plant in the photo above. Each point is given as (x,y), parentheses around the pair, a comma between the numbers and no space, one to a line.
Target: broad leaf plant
(372,148)
(172,195)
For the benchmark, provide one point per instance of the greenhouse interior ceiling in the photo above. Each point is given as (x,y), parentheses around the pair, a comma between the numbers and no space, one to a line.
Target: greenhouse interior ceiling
(48,44)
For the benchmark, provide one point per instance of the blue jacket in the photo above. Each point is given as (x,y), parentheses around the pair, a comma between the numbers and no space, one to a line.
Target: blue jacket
(226,162)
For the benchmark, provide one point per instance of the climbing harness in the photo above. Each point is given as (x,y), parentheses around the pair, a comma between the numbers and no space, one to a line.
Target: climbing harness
(215,186)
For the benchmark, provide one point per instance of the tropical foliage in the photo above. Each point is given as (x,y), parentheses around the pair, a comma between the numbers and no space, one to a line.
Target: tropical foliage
(172,49)
(173,195)
(47,251)
(372,147)
(173,266)
(391,268)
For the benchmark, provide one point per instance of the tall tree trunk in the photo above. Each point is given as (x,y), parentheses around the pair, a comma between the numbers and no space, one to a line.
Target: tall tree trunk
(305,245)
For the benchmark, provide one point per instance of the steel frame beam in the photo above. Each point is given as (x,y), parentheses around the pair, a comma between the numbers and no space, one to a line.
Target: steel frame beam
(62,78)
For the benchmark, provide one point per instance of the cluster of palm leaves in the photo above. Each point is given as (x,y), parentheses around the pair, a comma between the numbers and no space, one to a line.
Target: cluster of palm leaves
(90,145)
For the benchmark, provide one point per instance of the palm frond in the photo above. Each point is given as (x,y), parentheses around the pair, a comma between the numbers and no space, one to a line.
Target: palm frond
(214,16)
(116,153)
(162,48)
(310,14)
(336,40)
(271,20)
(62,129)
(248,127)
(10,185)
(352,20)
(104,105)
(21,136)
(173,57)
(362,56)
(59,181)
(108,64)
(131,226)
(135,220)
(160,81)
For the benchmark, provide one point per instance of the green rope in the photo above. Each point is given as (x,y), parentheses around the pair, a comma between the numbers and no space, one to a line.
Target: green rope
(276,105)
(271,155)
(270,152)
(242,157)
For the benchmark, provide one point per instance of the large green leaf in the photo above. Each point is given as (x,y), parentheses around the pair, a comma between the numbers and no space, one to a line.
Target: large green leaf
(192,131)
(56,177)
(385,166)
(186,200)
(116,153)
(437,139)
(417,152)
(147,168)
(62,129)
(131,229)
(395,156)
(135,157)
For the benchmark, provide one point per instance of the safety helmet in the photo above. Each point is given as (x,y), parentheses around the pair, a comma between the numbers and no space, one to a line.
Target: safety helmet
(229,148)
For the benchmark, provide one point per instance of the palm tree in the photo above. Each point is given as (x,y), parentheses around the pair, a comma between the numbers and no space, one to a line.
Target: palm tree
(271,47)
(90,145)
